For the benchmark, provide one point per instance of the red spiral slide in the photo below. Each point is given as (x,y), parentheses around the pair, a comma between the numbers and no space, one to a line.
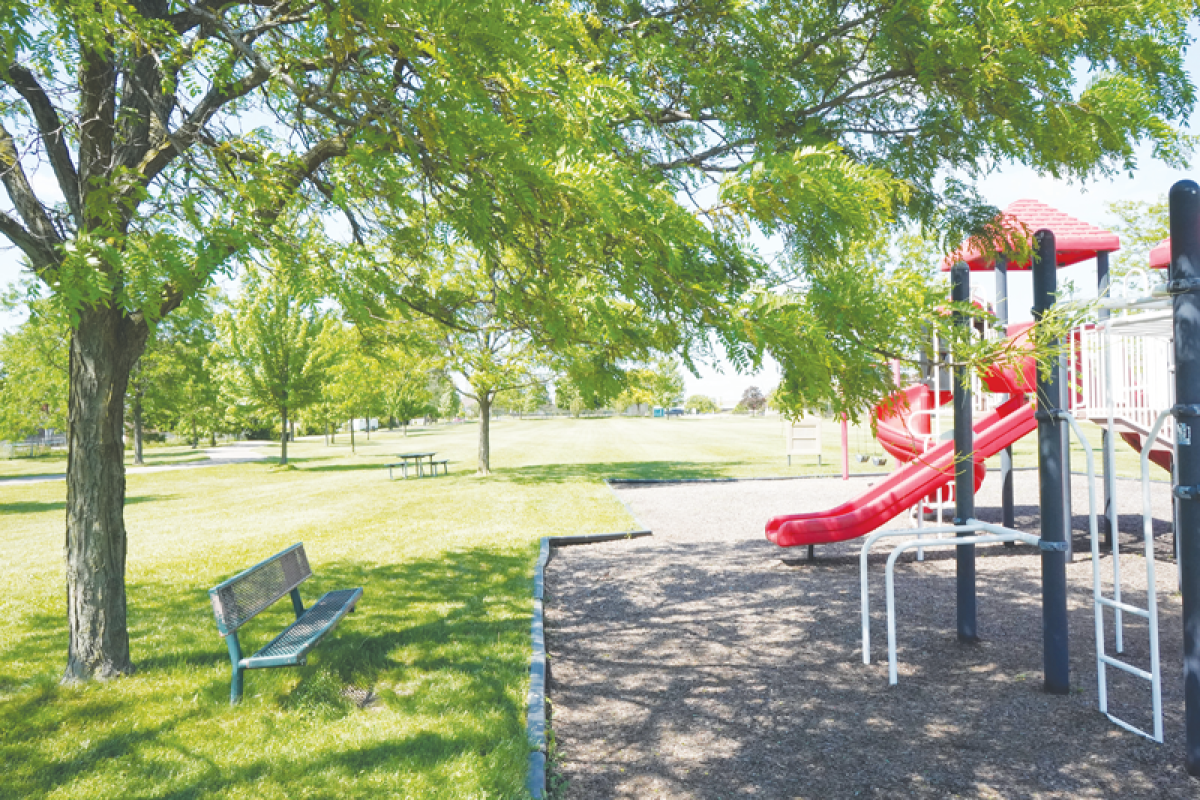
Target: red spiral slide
(924,473)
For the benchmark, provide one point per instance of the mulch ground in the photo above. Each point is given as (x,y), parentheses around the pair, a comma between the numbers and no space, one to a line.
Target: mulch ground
(707,662)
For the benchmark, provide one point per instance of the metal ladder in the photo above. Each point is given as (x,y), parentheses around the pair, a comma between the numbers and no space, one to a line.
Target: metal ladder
(1150,613)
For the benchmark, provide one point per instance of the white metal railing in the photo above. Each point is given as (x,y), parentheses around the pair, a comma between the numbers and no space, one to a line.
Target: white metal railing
(1141,379)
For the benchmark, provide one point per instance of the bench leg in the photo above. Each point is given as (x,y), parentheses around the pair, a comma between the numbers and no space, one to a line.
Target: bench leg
(389,472)
(235,657)
(235,688)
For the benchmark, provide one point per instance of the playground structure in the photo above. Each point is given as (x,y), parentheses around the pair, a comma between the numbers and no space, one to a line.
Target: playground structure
(1121,371)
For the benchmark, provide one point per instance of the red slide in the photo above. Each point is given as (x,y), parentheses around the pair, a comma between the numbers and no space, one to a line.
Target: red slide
(899,425)
(908,484)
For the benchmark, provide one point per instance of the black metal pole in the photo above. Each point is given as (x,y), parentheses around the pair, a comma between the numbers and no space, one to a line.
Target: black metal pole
(1185,287)
(1056,666)
(1103,281)
(964,467)
(1007,515)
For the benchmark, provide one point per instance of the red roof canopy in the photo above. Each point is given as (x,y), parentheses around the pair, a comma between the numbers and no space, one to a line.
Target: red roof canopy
(1075,239)
(1160,256)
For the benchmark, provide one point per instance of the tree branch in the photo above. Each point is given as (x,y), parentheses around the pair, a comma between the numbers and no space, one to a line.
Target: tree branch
(38,225)
(170,146)
(174,294)
(847,95)
(41,257)
(50,128)
(698,159)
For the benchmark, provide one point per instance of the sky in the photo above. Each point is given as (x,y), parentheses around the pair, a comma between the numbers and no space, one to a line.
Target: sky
(1087,202)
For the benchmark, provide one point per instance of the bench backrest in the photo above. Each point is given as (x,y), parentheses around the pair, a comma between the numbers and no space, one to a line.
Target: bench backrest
(246,594)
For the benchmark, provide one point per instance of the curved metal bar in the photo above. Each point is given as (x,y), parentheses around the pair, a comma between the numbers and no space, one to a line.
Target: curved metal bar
(1010,536)
(864,593)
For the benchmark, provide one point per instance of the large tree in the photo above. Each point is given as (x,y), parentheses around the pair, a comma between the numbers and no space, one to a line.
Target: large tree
(188,385)
(274,335)
(407,383)
(555,138)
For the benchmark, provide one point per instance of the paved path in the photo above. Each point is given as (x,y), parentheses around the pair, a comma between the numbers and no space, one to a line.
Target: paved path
(232,453)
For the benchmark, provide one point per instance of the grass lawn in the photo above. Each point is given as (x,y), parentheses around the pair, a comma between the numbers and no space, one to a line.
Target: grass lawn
(441,634)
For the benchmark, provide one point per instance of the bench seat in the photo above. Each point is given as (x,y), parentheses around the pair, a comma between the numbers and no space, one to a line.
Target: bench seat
(291,647)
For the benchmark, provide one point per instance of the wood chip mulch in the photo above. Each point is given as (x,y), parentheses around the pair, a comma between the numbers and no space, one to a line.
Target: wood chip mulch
(707,663)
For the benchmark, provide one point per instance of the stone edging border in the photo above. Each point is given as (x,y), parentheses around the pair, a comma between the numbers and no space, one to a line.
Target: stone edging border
(535,715)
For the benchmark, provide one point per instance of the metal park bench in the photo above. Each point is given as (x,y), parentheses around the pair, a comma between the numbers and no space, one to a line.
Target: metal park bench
(246,594)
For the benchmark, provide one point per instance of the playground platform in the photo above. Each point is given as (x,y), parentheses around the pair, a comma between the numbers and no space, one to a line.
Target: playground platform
(699,663)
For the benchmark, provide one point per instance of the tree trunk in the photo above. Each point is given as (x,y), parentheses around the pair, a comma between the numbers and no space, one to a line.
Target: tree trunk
(212,438)
(283,437)
(485,430)
(352,450)
(138,459)
(406,427)
(104,347)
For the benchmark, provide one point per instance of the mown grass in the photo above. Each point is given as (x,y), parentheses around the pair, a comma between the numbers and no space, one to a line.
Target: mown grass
(441,637)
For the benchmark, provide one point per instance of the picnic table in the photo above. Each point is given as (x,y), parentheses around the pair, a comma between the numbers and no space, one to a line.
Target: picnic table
(418,460)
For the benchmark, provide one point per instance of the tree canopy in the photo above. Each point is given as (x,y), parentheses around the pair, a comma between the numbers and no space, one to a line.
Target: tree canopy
(607,159)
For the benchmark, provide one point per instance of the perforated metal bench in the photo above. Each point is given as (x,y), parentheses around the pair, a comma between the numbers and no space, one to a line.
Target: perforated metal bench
(246,594)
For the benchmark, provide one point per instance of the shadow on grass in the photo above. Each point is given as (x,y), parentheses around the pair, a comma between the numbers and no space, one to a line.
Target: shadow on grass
(30,476)
(314,465)
(37,506)
(643,470)
(434,638)
(414,433)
